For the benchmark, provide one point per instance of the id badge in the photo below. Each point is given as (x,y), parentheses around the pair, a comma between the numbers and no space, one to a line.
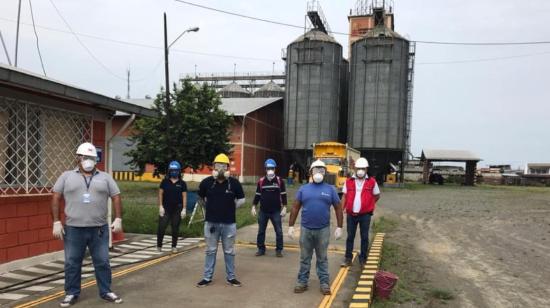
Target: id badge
(86,198)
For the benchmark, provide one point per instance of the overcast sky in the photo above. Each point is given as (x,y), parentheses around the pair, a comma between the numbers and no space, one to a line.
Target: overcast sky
(499,109)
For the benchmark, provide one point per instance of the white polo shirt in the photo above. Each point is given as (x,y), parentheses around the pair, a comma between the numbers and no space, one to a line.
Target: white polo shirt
(359,187)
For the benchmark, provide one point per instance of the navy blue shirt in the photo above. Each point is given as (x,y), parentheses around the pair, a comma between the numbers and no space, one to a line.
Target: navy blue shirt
(316,200)
(172,194)
(220,199)
(270,194)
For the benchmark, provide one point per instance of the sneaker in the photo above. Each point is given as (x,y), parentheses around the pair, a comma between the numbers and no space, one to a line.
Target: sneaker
(112,297)
(346,263)
(279,254)
(69,300)
(260,253)
(234,282)
(174,250)
(203,283)
(300,288)
(325,290)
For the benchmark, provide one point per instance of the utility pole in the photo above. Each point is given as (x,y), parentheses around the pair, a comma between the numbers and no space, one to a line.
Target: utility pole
(128,81)
(17,32)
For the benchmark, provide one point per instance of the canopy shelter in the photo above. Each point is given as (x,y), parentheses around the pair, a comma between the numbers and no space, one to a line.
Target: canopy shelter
(432,155)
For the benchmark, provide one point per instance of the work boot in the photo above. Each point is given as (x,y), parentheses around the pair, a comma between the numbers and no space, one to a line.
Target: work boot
(300,288)
(279,254)
(260,253)
(325,289)
(346,263)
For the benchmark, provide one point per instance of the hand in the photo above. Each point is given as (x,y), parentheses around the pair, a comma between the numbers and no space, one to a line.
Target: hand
(161,211)
(116,226)
(58,230)
(338,233)
(183,213)
(283,211)
(253,211)
(291,232)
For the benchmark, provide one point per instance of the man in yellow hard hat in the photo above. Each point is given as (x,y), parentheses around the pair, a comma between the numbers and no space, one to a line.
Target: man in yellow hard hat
(221,194)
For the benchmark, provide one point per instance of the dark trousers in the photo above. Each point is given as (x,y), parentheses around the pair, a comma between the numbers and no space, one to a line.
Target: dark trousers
(174,218)
(364,222)
(263,220)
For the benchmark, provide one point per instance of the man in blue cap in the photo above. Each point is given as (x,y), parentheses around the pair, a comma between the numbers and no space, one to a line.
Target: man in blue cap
(172,199)
(271,194)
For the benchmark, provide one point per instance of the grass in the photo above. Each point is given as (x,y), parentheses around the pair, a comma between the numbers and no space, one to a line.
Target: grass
(140,208)
(441,294)
(393,260)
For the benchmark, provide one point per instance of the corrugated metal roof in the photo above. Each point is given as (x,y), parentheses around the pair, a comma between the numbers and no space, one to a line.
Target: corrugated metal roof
(316,35)
(538,165)
(449,155)
(234,87)
(271,86)
(241,106)
(28,80)
(238,106)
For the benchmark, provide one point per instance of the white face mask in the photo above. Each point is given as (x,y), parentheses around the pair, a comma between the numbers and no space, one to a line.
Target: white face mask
(270,174)
(361,173)
(88,164)
(318,177)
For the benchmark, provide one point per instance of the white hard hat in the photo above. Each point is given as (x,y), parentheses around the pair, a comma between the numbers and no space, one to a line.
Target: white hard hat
(361,163)
(317,163)
(86,149)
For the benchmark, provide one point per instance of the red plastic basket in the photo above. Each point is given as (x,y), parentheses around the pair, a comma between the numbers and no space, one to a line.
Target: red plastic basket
(384,283)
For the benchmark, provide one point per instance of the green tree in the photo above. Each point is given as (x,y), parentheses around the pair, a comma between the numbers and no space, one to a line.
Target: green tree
(198,130)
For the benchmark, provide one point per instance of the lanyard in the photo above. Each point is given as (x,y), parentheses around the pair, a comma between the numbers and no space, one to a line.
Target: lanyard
(88,183)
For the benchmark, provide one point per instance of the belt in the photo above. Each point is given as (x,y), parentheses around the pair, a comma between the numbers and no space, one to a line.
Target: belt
(359,214)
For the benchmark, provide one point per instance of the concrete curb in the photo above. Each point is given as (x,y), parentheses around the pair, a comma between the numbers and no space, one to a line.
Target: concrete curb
(362,296)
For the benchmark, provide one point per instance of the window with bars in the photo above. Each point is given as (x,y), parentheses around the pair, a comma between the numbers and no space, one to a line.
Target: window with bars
(37,144)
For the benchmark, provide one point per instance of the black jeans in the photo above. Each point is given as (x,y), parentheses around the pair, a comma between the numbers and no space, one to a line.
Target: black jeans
(364,223)
(263,220)
(174,218)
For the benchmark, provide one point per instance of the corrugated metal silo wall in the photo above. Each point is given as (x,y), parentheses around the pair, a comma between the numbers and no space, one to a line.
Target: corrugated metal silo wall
(312,93)
(343,112)
(378,94)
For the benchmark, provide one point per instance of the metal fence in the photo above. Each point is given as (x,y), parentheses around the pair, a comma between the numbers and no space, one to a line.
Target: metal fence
(37,144)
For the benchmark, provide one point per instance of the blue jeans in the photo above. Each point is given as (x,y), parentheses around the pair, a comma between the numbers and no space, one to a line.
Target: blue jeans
(314,239)
(213,232)
(364,222)
(263,220)
(97,240)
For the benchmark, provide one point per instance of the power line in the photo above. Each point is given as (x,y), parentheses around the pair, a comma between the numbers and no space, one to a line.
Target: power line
(348,34)
(37,44)
(83,45)
(483,59)
(143,45)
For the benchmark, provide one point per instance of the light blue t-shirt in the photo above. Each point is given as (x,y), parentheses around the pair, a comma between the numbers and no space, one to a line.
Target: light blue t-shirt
(316,200)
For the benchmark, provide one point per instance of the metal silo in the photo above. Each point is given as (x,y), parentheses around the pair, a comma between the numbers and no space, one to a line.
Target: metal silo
(233,90)
(378,106)
(270,89)
(313,90)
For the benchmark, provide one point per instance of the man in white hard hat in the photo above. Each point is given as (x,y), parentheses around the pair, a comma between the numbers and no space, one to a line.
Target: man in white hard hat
(360,194)
(315,199)
(86,191)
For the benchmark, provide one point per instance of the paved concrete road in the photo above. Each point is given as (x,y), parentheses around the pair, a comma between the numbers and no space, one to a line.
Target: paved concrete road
(267,280)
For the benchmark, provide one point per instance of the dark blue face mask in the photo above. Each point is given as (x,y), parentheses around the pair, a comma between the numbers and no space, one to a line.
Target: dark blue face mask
(173,173)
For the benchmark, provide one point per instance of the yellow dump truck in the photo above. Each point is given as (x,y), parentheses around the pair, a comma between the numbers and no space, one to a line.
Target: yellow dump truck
(339,158)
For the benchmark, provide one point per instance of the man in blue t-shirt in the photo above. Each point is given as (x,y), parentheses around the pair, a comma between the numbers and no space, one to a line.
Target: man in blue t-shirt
(315,199)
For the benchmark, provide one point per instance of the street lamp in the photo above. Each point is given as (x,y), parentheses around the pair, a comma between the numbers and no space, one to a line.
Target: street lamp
(166,48)
(167,100)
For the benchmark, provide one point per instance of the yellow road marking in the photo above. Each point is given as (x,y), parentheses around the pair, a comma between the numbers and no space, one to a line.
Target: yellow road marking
(359,305)
(336,284)
(59,294)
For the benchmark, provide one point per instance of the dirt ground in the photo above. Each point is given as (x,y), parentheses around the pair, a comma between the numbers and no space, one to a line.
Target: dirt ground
(489,246)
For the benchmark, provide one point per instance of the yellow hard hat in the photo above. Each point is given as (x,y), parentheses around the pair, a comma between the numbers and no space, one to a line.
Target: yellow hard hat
(221,158)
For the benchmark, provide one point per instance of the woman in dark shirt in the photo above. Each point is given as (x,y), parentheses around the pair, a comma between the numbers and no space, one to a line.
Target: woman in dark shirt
(172,204)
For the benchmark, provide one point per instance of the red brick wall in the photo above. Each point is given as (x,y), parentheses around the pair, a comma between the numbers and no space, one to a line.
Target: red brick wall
(99,141)
(26,227)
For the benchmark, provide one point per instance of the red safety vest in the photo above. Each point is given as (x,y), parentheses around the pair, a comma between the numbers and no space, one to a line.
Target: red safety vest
(368,202)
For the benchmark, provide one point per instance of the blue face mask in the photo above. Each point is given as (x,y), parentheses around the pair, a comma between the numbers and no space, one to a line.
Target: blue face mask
(173,173)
